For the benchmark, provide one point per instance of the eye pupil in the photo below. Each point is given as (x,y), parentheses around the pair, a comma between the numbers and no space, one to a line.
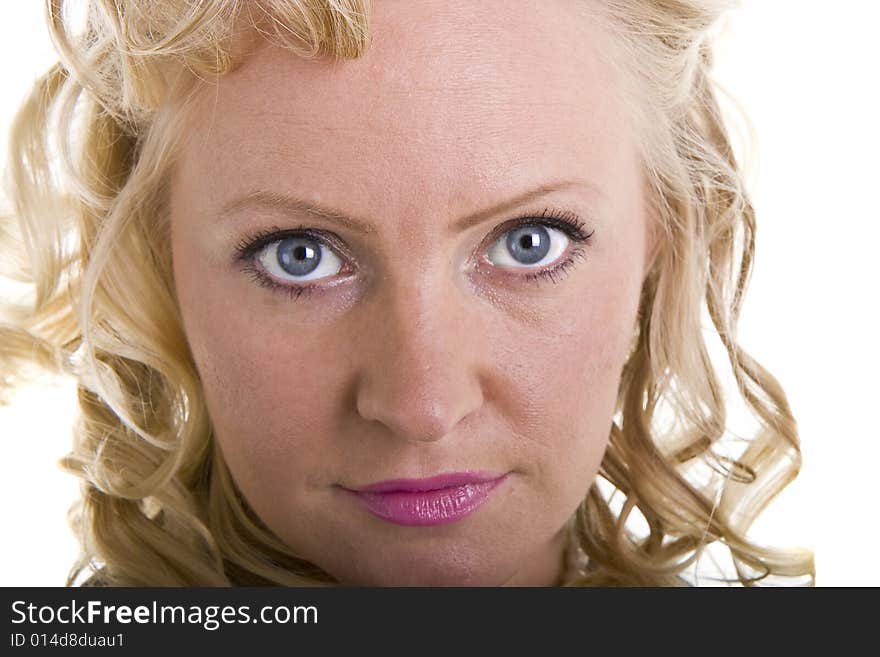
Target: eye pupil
(299,255)
(529,244)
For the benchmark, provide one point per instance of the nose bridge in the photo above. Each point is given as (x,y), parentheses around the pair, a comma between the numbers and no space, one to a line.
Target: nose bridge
(421,374)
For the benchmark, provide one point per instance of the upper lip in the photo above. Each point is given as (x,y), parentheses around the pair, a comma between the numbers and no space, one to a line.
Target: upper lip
(437,482)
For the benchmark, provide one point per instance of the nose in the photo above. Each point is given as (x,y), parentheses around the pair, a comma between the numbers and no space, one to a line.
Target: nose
(420,354)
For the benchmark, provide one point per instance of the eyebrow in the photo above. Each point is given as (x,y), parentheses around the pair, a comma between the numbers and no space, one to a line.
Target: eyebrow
(272,200)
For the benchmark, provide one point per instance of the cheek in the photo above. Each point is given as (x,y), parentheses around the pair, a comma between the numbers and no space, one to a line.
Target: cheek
(563,380)
(273,400)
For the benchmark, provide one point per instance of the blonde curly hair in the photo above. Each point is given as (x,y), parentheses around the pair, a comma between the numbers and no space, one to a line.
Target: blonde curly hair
(90,154)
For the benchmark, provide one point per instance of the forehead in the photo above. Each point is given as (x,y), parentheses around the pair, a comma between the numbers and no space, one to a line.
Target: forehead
(453,104)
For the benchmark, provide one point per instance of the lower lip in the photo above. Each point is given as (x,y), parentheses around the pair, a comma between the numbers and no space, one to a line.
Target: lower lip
(430,507)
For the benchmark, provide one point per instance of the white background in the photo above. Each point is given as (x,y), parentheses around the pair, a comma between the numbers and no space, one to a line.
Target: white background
(806,73)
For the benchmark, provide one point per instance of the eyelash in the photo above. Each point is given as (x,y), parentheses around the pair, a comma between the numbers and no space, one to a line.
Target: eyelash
(565,221)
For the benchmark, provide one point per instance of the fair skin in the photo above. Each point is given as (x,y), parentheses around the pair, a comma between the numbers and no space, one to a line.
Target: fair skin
(423,348)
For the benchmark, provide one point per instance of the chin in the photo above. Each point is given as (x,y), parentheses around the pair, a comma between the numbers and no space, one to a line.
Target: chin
(450,569)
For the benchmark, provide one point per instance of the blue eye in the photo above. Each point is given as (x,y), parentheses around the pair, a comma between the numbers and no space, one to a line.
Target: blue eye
(299,258)
(528,244)
(296,262)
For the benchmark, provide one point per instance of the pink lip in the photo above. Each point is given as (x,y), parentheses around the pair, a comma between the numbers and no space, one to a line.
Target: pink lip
(432,501)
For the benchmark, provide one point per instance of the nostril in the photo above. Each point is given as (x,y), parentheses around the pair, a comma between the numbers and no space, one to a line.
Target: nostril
(416,416)
(407,421)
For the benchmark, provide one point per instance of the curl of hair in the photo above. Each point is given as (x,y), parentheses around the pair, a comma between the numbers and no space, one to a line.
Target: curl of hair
(90,155)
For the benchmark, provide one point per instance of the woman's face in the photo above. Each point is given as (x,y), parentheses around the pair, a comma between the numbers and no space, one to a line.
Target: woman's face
(448,323)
